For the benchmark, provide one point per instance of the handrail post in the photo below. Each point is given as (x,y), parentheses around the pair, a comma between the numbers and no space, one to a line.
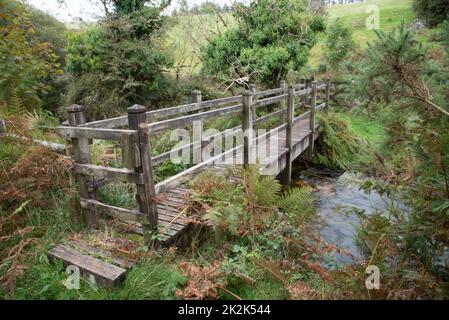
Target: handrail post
(303,99)
(283,85)
(247,126)
(253,89)
(2,128)
(81,154)
(312,121)
(196,97)
(327,95)
(289,136)
(146,193)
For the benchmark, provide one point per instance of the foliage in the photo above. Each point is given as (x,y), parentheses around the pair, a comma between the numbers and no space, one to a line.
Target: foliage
(266,44)
(27,64)
(151,279)
(119,62)
(339,44)
(34,174)
(338,146)
(247,206)
(432,11)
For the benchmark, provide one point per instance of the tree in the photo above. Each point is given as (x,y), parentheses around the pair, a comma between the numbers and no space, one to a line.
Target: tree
(272,38)
(118,62)
(339,44)
(432,11)
(26,62)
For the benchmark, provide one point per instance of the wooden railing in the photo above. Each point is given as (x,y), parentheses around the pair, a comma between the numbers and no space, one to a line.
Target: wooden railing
(133,131)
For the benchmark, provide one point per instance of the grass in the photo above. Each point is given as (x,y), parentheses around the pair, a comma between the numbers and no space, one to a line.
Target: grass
(185,36)
(392,12)
(369,129)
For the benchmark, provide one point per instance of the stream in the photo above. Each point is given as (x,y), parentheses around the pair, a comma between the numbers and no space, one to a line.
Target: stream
(333,220)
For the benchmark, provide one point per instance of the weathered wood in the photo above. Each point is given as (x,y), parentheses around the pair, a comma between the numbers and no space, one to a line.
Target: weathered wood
(266,93)
(268,101)
(55,147)
(196,96)
(302,117)
(2,128)
(252,88)
(247,126)
(100,253)
(327,95)
(282,104)
(303,93)
(289,136)
(115,212)
(278,113)
(184,121)
(108,173)
(137,119)
(157,160)
(312,121)
(304,87)
(105,274)
(92,133)
(130,151)
(76,115)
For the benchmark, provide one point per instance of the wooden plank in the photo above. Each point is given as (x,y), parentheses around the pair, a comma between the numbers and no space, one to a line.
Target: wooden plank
(289,136)
(115,212)
(100,253)
(268,101)
(303,92)
(247,125)
(108,173)
(91,133)
(271,115)
(262,94)
(105,274)
(312,120)
(77,116)
(137,119)
(303,116)
(182,122)
(157,160)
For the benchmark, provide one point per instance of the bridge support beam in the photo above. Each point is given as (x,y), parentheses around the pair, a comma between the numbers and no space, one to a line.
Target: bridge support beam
(253,89)
(287,179)
(146,193)
(327,95)
(312,121)
(197,97)
(282,103)
(247,126)
(77,116)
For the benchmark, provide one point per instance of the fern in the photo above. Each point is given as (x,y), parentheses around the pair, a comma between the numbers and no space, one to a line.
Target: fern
(297,203)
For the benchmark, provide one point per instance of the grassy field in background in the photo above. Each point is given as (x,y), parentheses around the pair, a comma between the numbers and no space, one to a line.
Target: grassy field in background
(185,37)
(392,12)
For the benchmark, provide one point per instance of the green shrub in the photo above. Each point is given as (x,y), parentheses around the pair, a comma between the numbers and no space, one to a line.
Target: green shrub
(254,51)
(339,44)
(432,11)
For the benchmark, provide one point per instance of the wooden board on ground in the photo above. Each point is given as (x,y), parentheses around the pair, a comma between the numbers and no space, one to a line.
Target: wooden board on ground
(105,274)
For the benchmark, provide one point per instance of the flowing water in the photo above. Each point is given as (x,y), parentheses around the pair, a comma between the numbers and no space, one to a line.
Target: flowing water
(334,221)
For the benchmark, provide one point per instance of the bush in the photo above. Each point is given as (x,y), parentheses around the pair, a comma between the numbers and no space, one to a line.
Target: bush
(28,64)
(339,44)
(266,44)
(118,63)
(432,11)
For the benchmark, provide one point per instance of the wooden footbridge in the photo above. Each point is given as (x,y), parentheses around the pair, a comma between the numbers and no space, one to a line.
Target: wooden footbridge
(158,215)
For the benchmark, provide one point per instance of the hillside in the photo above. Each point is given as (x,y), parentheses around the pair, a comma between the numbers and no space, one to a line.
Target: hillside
(187,34)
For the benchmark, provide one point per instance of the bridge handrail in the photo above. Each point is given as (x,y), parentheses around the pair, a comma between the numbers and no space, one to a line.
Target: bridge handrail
(136,151)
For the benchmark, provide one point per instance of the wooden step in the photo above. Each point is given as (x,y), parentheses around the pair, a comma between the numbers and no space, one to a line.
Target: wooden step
(100,253)
(105,274)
